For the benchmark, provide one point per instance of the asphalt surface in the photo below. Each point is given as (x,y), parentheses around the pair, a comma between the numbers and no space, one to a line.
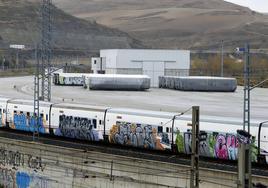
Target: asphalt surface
(222,104)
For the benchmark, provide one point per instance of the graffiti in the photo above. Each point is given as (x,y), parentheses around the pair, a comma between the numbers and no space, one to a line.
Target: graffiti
(25,180)
(77,127)
(40,182)
(7,178)
(139,135)
(16,159)
(35,163)
(221,147)
(10,178)
(204,144)
(28,123)
(76,81)
(22,180)
(213,144)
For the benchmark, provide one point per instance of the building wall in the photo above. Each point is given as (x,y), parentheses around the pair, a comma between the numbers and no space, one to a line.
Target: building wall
(153,63)
(109,56)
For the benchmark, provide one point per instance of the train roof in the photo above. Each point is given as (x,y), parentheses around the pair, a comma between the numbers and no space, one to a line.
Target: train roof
(139,112)
(185,116)
(28,102)
(76,106)
(73,74)
(116,76)
(3,99)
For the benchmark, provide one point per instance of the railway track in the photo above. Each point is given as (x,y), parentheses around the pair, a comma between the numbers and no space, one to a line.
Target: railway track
(134,153)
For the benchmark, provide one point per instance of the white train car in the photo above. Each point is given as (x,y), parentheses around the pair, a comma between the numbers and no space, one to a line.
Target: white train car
(20,115)
(150,129)
(131,127)
(78,121)
(69,79)
(3,106)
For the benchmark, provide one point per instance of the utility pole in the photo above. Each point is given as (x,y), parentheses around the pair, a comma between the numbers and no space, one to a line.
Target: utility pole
(36,94)
(194,179)
(46,49)
(43,70)
(246,111)
(222,58)
(244,160)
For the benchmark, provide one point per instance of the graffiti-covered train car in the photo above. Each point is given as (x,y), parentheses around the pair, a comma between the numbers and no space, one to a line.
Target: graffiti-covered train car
(78,121)
(20,116)
(3,106)
(69,79)
(138,128)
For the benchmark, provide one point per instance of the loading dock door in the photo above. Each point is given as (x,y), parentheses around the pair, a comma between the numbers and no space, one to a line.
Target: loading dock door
(153,70)
(159,68)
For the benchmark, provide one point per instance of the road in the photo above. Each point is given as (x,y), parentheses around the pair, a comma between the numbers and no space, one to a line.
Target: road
(211,103)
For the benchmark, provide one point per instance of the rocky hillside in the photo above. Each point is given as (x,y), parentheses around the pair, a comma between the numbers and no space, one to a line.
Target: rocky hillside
(191,24)
(20,24)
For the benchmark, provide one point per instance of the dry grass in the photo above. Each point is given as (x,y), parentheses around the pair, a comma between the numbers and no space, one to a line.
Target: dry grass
(172,23)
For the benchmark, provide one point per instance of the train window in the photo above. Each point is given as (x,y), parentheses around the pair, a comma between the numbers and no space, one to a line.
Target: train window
(167,129)
(160,129)
(94,122)
(46,117)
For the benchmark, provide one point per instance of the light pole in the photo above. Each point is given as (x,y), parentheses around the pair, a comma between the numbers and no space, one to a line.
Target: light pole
(222,58)
(246,110)
(244,160)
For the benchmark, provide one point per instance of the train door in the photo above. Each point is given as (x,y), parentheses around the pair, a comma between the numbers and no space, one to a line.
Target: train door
(9,118)
(264,140)
(1,117)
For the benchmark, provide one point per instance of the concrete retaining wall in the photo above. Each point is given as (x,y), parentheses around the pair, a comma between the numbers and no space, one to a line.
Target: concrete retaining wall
(30,164)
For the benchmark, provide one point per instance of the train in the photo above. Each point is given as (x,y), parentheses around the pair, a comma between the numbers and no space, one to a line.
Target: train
(144,129)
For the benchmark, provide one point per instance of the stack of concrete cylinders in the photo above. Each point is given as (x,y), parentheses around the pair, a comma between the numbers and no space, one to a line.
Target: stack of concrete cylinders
(117,82)
(198,83)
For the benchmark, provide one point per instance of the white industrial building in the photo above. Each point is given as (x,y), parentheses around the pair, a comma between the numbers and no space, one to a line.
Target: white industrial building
(153,63)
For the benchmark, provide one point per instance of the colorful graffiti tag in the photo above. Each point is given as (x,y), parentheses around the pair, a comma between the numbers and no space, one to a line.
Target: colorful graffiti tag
(213,144)
(139,135)
(11,177)
(15,179)
(28,123)
(25,180)
(77,127)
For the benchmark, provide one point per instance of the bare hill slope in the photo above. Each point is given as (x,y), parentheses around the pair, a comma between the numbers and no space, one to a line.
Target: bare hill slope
(191,24)
(19,25)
